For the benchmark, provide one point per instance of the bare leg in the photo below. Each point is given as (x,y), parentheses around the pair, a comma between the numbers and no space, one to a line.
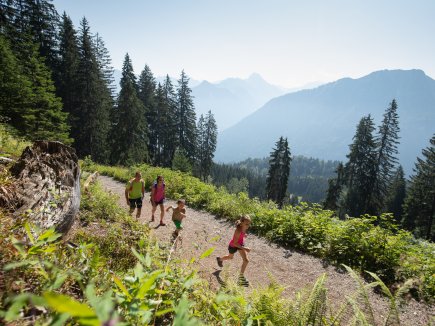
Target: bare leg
(245,260)
(138,213)
(227,257)
(162,213)
(153,210)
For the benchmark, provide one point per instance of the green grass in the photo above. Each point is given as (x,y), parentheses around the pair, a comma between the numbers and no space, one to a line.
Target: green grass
(10,144)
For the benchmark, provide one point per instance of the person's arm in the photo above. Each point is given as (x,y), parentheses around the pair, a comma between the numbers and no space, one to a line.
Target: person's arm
(152,194)
(126,194)
(143,189)
(236,241)
(167,209)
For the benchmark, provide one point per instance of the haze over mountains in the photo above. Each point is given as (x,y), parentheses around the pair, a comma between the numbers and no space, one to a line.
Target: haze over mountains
(232,99)
(321,122)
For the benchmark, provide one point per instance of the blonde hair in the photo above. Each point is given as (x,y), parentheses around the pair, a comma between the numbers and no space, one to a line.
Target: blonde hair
(242,219)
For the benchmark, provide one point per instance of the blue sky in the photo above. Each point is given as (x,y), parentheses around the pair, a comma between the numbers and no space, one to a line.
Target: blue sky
(289,42)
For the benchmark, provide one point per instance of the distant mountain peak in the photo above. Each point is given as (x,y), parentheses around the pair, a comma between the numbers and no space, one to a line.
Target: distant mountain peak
(256,77)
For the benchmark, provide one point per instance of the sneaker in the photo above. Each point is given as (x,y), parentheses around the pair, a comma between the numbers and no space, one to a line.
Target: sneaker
(243,281)
(219,262)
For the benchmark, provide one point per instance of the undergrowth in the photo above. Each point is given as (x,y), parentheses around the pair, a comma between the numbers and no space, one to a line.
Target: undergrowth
(367,243)
(48,280)
(10,144)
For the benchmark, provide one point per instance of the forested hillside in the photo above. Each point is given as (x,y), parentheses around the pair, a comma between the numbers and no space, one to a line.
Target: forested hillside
(308,179)
(57,84)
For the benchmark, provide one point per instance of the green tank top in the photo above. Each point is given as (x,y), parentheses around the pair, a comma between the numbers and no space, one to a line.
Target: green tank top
(134,189)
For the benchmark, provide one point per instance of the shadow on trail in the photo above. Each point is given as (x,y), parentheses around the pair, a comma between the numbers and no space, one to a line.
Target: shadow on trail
(219,278)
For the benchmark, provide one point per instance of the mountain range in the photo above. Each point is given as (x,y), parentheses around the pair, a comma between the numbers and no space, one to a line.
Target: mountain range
(321,122)
(232,99)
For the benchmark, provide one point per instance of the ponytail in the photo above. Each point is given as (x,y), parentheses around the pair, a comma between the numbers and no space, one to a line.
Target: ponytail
(242,219)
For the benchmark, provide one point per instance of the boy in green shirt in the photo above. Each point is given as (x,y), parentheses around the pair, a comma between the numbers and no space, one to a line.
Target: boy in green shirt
(134,193)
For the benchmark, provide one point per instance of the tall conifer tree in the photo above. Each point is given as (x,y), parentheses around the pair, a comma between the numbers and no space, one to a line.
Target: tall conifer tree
(419,208)
(186,118)
(130,132)
(335,189)
(91,123)
(67,86)
(105,65)
(40,18)
(40,115)
(207,140)
(360,170)
(171,136)
(386,161)
(396,194)
(147,94)
(279,172)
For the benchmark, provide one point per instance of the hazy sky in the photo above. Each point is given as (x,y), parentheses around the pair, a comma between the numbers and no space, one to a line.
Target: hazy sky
(289,42)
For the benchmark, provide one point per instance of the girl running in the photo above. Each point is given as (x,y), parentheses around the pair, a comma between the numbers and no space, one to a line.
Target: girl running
(237,244)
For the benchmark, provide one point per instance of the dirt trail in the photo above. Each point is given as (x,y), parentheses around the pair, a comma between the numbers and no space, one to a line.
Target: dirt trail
(290,269)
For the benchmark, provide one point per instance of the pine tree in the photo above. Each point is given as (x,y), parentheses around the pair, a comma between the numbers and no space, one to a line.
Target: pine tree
(67,86)
(181,162)
(147,94)
(15,88)
(104,65)
(40,19)
(360,170)
(279,171)
(335,189)
(207,140)
(170,137)
(130,132)
(386,142)
(39,115)
(419,208)
(91,123)
(396,194)
(186,119)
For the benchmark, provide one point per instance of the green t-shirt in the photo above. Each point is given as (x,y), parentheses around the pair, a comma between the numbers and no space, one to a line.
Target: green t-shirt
(134,189)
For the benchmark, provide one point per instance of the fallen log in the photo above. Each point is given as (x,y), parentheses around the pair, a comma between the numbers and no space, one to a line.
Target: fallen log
(47,186)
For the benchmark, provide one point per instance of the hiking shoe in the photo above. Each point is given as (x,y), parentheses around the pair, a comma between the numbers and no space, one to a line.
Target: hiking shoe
(219,262)
(162,224)
(243,281)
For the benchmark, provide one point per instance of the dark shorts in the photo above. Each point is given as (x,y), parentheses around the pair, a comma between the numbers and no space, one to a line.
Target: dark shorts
(137,202)
(158,202)
(233,250)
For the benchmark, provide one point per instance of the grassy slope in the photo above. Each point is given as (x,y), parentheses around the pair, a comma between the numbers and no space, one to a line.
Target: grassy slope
(371,243)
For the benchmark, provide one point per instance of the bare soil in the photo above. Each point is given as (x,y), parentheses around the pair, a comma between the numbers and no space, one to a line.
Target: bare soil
(292,270)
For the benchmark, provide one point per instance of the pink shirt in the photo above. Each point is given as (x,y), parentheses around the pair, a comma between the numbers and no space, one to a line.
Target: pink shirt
(159,192)
(241,240)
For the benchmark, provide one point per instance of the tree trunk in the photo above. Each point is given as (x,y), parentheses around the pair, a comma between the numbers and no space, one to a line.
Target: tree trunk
(47,186)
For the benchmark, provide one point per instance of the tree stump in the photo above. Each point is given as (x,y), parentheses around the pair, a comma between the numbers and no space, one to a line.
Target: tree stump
(47,186)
